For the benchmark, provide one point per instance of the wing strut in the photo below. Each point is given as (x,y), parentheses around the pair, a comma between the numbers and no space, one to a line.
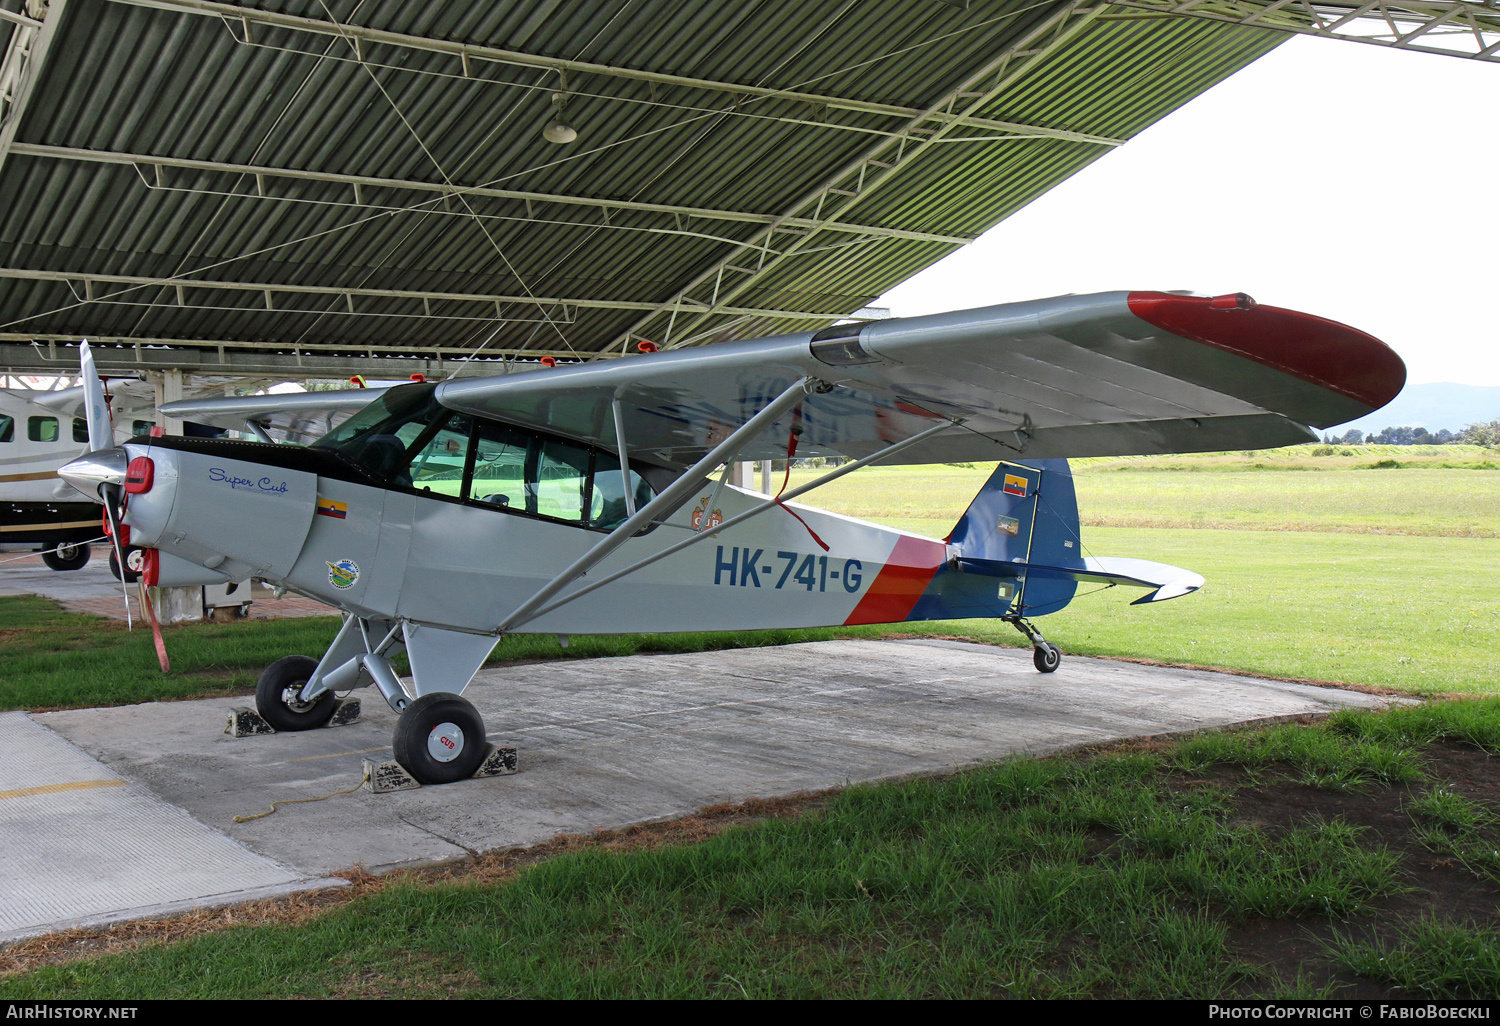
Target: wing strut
(889,450)
(673,496)
(614,405)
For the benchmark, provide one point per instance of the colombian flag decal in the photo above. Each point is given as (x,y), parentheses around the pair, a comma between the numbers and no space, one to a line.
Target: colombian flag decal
(1015,485)
(329,508)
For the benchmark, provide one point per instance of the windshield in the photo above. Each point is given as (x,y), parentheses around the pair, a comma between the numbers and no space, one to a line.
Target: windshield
(379,436)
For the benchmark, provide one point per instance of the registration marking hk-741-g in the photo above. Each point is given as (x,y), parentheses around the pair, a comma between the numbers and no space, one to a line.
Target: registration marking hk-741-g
(744,569)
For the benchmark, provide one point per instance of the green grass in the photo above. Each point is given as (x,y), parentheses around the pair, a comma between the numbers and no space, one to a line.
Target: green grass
(1119,876)
(1234,491)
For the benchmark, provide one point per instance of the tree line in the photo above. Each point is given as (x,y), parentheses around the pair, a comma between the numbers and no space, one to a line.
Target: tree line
(1473,434)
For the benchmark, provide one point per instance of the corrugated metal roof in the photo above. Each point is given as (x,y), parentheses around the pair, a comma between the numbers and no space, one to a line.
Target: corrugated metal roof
(264,174)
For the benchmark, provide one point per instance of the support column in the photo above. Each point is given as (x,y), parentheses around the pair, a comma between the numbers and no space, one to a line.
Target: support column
(168,390)
(177,605)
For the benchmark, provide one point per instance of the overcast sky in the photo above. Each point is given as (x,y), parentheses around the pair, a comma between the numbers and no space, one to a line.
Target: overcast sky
(1345,180)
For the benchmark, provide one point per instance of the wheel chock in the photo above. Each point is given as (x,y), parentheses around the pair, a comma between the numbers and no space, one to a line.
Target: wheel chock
(384,777)
(246,722)
(498,762)
(346,712)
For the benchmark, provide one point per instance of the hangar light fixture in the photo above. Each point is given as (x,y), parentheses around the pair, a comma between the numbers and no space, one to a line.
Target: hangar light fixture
(558,130)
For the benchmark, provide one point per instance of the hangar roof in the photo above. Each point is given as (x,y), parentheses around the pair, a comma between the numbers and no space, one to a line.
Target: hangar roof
(371,176)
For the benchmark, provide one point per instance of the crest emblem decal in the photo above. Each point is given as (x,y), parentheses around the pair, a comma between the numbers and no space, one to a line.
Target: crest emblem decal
(343,574)
(704,519)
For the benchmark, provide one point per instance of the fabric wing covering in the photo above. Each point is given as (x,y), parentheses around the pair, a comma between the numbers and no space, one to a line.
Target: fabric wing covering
(1100,375)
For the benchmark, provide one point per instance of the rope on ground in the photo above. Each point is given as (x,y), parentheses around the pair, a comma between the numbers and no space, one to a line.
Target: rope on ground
(295,801)
(64,545)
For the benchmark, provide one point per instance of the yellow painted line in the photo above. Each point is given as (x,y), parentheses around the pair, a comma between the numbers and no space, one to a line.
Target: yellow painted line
(29,477)
(82,785)
(52,526)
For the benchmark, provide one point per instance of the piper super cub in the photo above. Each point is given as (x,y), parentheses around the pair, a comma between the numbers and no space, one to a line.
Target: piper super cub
(581,499)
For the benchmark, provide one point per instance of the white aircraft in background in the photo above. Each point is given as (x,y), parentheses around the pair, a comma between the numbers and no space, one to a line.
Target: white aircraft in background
(40,430)
(581,499)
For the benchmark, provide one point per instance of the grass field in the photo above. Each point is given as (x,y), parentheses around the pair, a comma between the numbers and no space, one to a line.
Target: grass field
(1149,871)
(1352,859)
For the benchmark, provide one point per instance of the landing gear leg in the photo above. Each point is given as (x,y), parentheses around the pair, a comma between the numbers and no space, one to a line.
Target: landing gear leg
(1044,655)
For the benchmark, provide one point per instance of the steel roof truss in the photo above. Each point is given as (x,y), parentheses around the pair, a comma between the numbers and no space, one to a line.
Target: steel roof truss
(359,183)
(878,166)
(466,53)
(22,66)
(128,283)
(1393,23)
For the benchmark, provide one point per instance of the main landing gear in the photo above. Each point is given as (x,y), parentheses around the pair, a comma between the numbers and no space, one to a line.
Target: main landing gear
(439,737)
(1044,655)
(67,556)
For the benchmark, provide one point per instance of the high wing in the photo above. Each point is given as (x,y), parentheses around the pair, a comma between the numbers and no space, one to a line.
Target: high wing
(1109,374)
(295,416)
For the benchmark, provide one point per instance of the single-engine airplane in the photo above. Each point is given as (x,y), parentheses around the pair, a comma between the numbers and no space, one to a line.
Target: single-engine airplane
(581,499)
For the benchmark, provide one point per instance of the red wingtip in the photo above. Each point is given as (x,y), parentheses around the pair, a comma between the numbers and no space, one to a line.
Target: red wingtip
(1326,353)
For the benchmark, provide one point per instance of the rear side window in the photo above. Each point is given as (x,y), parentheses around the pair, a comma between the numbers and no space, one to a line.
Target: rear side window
(41,429)
(7,428)
(80,430)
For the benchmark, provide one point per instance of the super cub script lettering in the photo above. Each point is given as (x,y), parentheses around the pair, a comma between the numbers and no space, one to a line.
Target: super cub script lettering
(249,484)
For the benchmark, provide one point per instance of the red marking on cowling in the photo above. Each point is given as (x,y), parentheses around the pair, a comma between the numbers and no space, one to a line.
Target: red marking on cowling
(1319,351)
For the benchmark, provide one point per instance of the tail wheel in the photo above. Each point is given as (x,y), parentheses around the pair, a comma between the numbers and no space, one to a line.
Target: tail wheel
(278,695)
(1046,656)
(440,739)
(135,560)
(67,556)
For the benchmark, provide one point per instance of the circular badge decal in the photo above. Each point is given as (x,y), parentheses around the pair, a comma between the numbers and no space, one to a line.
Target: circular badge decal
(343,574)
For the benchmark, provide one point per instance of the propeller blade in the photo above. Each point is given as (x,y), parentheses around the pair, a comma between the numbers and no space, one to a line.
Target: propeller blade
(95,406)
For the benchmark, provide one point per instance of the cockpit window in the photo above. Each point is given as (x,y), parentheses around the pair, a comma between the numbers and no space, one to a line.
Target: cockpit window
(405,439)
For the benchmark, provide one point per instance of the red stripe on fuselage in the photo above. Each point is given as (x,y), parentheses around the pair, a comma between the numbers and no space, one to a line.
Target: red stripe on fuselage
(905,576)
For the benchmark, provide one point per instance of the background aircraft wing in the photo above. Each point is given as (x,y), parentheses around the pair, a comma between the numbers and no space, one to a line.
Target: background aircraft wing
(1100,375)
(290,416)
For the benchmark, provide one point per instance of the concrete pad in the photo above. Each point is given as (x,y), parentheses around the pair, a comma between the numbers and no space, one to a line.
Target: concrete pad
(93,589)
(80,844)
(609,742)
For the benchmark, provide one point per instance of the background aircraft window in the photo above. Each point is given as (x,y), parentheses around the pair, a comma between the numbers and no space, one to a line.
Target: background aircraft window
(607,505)
(499,477)
(41,429)
(562,471)
(7,428)
(80,430)
(438,465)
(142,427)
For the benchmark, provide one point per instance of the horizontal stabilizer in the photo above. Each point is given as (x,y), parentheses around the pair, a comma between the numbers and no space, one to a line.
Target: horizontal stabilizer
(1166,582)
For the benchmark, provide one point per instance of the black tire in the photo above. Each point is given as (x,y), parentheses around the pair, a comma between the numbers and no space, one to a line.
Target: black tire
(1046,657)
(68,556)
(424,749)
(274,695)
(133,559)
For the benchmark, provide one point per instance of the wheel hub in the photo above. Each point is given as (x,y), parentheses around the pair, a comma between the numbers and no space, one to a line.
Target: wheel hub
(292,698)
(446,742)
